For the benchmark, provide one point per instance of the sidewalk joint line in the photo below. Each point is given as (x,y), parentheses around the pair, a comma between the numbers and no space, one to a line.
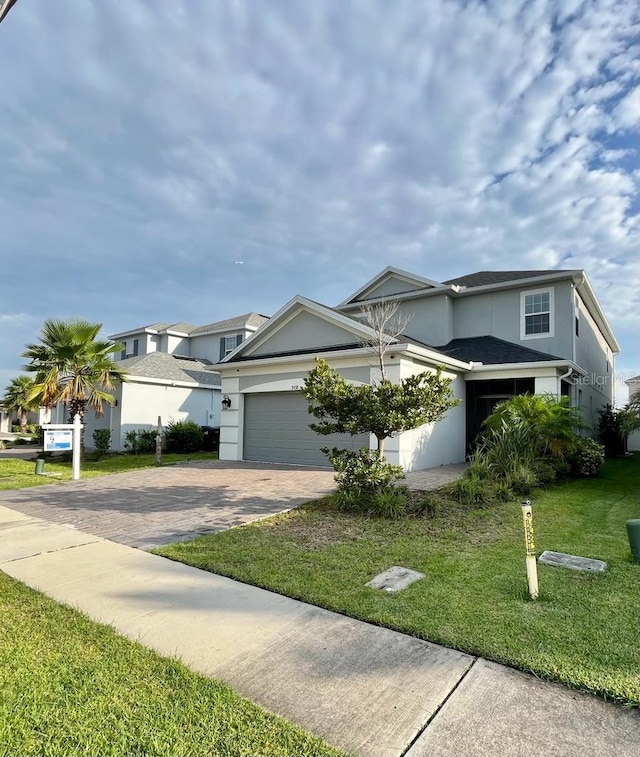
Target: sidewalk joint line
(50,551)
(438,708)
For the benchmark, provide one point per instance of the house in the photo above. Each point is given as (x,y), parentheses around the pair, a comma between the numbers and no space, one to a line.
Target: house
(494,333)
(633,440)
(168,376)
(159,384)
(212,342)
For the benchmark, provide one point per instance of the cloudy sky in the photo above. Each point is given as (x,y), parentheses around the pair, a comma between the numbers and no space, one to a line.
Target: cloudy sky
(145,147)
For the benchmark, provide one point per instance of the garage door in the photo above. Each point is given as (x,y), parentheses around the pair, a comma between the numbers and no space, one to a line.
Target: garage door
(276,430)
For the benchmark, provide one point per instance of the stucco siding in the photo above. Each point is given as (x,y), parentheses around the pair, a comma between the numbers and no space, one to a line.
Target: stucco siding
(433,444)
(431,319)
(498,314)
(303,331)
(593,354)
(143,403)
(389,287)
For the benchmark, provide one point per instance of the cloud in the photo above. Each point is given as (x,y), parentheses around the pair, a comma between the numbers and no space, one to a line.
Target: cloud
(147,147)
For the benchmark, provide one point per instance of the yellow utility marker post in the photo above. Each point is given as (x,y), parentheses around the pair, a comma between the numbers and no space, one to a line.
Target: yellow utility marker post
(532,566)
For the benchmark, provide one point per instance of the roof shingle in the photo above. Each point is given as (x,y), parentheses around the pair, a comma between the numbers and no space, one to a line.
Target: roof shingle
(160,365)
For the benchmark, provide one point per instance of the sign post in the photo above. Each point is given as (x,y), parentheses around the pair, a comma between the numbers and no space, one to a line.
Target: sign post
(65,437)
(532,566)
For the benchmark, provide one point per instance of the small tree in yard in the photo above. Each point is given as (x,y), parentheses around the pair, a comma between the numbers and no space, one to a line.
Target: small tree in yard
(17,396)
(383,409)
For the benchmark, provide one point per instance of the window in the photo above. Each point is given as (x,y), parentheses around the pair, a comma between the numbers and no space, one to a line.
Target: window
(228,344)
(130,349)
(536,314)
(577,312)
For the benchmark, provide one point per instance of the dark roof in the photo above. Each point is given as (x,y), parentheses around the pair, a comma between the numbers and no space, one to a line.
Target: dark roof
(160,365)
(288,353)
(481,278)
(253,320)
(490,350)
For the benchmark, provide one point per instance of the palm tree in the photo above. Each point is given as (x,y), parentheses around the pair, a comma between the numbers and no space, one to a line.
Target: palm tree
(17,396)
(72,366)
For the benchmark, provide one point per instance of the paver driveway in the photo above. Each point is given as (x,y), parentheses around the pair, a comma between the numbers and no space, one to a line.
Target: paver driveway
(154,506)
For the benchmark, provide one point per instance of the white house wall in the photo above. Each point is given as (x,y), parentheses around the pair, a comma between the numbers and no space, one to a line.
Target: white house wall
(142,404)
(433,444)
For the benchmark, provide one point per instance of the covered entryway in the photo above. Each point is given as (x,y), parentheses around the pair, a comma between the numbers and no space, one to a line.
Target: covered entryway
(276,430)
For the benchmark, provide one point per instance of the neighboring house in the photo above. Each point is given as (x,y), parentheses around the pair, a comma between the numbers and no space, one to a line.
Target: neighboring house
(172,387)
(633,440)
(167,375)
(495,333)
(211,342)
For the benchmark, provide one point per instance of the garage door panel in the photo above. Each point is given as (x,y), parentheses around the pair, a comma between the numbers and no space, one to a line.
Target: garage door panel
(276,429)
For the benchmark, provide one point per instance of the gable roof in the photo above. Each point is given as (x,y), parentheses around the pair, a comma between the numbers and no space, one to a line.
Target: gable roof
(249,320)
(413,281)
(161,365)
(483,278)
(490,350)
(286,313)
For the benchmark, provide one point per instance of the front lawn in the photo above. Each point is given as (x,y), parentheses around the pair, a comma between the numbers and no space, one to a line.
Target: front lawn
(583,631)
(20,474)
(70,686)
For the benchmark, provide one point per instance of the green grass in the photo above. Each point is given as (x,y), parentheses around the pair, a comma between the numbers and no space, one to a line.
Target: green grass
(70,686)
(20,474)
(583,631)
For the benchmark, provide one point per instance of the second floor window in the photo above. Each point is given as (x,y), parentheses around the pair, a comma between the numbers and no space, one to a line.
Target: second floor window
(130,349)
(228,344)
(537,314)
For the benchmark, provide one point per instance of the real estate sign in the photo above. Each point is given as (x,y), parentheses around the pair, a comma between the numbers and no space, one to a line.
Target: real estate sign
(58,440)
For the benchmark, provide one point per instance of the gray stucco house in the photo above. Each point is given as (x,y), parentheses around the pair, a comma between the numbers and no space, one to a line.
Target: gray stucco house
(496,333)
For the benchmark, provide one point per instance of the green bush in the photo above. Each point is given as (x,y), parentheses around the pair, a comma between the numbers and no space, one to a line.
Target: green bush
(522,480)
(183,436)
(588,458)
(362,470)
(470,491)
(140,442)
(391,502)
(102,441)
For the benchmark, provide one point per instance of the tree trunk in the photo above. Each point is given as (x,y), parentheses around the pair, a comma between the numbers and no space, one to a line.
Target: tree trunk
(77,406)
(23,421)
(380,449)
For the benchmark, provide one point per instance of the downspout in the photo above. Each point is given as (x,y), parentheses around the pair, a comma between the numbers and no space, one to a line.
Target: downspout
(567,374)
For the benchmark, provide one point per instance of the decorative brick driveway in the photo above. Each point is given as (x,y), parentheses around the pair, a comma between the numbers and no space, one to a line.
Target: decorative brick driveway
(156,506)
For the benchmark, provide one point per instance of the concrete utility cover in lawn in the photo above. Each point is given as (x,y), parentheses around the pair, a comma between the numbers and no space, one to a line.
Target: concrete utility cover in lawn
(559,559)
(395,579)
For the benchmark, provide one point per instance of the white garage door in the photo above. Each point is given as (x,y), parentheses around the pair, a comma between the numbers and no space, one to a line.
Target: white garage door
(276,430)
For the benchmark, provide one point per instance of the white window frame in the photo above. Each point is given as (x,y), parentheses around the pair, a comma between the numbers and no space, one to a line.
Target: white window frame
(523,315)
(228,340)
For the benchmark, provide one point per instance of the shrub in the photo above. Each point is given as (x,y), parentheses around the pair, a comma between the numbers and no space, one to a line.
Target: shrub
(610,432)
(140,442)
(587,458)
(102,441)
(470,491)
(522,480)
(391,502)
(428,505)
(183,436)
(363,470)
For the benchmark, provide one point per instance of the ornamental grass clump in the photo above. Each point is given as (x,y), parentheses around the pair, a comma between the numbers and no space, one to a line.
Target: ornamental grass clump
(528,441)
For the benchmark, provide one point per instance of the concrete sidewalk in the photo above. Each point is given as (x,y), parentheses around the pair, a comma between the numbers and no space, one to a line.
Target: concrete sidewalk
(364,689)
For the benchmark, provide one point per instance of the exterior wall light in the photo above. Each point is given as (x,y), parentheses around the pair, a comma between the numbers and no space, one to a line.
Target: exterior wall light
(226,402)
